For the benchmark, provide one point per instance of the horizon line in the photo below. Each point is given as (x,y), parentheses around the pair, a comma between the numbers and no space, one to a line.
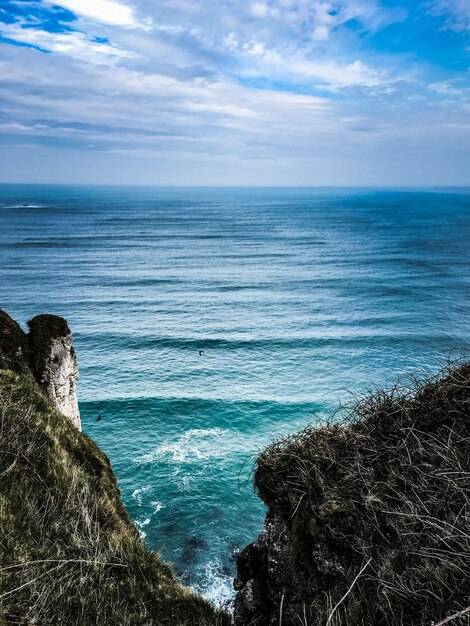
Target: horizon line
(247,186)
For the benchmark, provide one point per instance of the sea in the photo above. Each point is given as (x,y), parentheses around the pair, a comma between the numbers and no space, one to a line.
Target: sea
(211,322)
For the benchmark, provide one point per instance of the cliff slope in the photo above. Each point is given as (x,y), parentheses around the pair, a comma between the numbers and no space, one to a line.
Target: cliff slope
(369,520)
(69,553)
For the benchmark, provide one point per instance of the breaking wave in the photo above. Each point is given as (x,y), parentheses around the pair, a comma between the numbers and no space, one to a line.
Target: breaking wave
(193,446)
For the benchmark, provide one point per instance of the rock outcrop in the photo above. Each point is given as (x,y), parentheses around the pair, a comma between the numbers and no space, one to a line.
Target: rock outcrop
(368,521)
(47,354)
(264,575)
(55,363)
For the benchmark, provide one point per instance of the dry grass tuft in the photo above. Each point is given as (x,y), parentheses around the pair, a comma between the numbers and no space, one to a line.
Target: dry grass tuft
(389,487)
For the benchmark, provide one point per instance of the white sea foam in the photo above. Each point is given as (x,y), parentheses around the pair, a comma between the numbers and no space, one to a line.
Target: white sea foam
(216,585)
(183,483)
(137,493)
(142,522)
(22,206)
(193,446)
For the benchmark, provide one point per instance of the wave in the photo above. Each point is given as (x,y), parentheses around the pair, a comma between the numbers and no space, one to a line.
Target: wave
(147,509)
(145,282)
(40,244)
(193,446)
(137,493)
(216,584)
(24,206)
(365,338)
(234,419)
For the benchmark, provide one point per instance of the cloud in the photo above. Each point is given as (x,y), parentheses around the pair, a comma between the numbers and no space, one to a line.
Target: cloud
(138,113)
(283,40)
(284,47)
(317,18)
(296,68)
(106,11)
(303,23)
(261,81)
(259,9)
(356,74)
(455,12)
(72,43)
(448,88)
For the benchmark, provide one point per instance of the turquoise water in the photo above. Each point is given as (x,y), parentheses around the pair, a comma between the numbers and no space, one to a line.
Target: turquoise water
(295,298)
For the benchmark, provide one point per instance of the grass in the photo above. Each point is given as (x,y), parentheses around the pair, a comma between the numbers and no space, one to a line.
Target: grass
(378,509)
(69,553)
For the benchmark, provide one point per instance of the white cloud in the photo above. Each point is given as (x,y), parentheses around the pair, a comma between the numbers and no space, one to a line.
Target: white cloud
(181,87)
(447,88)
(71,43)
(297,68)
(456,12)
(336,76)
(106,11)
(321,33)
(295,41)
(259,9)
(129,110)
(320,17)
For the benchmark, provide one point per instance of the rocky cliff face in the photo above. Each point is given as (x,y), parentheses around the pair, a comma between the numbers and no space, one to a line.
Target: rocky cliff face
(273,586)
(47,354)
(55,362)
(264,576)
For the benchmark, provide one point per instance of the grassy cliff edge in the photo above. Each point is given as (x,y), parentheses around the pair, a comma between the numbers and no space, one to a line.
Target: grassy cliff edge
(369,519)
(69,554)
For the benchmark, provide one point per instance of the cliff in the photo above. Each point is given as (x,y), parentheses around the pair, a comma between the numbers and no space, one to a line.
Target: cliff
(369,520)
(54,363)
(45,353)
(69,554)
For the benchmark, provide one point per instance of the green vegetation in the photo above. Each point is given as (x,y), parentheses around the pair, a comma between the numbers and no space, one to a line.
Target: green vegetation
(69,553)
(14,345)
(378,509)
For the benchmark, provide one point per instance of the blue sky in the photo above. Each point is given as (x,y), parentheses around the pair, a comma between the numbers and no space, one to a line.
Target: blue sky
(263,92)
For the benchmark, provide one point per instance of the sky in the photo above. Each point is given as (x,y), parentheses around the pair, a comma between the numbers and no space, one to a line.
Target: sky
(235,92)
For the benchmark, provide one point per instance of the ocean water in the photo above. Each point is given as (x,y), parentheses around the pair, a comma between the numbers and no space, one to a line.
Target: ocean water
(295,297)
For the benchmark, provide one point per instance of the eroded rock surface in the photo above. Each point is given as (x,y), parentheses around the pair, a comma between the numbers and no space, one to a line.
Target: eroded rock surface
(55,363)
(47,354)
(59,378)
(267,584)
